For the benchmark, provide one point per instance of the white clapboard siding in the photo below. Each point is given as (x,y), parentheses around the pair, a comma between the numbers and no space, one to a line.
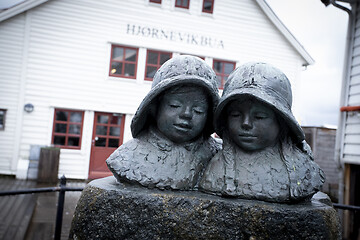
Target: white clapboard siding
(68,58)
(351,143)
(11,58)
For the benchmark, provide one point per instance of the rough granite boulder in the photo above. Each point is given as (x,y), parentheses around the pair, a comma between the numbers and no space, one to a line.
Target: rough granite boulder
(108,209)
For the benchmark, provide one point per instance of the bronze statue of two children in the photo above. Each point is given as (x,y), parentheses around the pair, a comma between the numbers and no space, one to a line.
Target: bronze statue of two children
(262,155)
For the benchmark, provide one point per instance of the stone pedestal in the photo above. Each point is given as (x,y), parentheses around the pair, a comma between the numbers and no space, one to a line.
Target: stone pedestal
(111,210)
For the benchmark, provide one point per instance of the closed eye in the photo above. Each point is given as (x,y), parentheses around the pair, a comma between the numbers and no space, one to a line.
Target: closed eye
(235,114)
(174,105)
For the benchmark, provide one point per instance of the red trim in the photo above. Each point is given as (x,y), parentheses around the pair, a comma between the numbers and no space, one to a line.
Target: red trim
(222,73)
(350,108)
(212,6)
(158,64)
(124,61)
(67,134)
(182,4)
(155,1)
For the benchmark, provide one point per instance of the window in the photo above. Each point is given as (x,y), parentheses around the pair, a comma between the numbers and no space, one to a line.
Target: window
(67,128)
(222,70)
(108,129)
(154,59)
(155,1)
(123,61)
(208,6)
(2,119)
(182,3)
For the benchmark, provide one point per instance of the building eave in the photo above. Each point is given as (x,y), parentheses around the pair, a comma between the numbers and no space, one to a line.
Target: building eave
(20,8)
(308,60)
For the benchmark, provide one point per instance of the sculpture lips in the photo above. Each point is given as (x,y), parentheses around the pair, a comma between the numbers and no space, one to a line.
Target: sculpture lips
(247,137)
(182,126)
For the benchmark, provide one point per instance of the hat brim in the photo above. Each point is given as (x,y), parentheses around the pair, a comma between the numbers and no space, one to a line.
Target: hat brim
(283,111)
(141,116)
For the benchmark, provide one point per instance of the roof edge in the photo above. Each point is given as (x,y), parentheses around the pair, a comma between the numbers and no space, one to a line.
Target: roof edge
(288,35)
(20,8)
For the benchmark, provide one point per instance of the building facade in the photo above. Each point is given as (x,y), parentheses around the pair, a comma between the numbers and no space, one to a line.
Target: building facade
(72,73)
(347,150)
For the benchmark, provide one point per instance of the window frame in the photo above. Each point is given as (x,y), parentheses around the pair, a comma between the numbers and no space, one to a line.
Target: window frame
(67,134)
(122,75)
(222,75)
(155,1)
(181,5)
(212,7)
(157,65)
(4,119)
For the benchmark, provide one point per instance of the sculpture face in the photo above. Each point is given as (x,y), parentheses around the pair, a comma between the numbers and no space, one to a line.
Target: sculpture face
(182,115)
(252,125)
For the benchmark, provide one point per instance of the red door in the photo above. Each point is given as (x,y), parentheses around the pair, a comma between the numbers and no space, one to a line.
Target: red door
(107,135)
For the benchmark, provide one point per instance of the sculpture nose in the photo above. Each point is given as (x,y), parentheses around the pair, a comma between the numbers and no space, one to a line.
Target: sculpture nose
(246,122)
(186,112)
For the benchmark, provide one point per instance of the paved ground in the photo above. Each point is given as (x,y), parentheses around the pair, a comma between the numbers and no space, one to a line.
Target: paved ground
(42,223)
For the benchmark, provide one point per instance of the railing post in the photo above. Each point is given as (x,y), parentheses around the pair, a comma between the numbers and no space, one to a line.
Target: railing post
(60,208)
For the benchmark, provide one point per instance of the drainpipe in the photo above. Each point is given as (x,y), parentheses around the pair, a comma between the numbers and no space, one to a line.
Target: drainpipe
(344,98)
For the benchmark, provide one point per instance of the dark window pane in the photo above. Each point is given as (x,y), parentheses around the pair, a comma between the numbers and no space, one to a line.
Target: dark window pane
(129,69)
(101,130)
(164,57)
(152,57)
(61,116)
(185,3)
(60,128)
(114,131)
(73,141)
(228,67)
(118,54)
(155,1)
(130,55)
(74,129)
(150,71)
(113,142)
(75,117)
(59,140)
(218,79)
(116,68)
(217,67)
(116,120)
(101,142)
(207,6)
(2,119)
(102,119)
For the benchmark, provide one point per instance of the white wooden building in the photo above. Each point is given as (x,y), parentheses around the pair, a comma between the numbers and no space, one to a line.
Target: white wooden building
(85,66)
(347,153)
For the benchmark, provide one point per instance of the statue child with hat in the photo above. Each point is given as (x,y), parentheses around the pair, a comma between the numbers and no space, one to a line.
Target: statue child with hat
(264,155)
(171,128)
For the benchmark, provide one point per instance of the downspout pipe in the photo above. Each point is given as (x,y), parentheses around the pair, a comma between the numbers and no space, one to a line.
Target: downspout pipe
(343,98)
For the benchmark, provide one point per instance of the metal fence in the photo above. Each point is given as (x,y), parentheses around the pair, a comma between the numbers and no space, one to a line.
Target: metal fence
(62,189)
(61,199)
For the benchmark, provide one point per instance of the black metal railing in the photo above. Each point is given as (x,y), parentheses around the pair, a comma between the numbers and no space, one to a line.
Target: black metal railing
(61,199)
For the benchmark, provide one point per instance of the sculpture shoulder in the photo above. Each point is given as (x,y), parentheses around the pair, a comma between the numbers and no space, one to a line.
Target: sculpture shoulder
(306,177)
(212,180)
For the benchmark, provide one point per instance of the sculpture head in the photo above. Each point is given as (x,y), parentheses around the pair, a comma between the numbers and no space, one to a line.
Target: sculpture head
(251,124)
(257,90)
(182,113)
(190,83)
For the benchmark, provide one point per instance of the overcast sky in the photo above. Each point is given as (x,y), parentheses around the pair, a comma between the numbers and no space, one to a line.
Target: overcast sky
(322,31)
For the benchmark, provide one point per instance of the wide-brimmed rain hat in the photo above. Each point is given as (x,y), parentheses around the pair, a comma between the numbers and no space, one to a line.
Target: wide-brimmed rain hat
(178,71)
(264,83)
